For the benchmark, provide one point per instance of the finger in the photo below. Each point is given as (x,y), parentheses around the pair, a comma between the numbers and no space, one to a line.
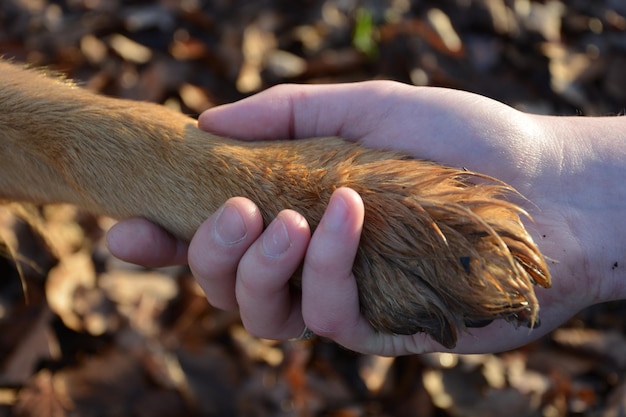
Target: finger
(268,306)
(142,242)
(301,111)
(330,295)
(218,246)
(330,304)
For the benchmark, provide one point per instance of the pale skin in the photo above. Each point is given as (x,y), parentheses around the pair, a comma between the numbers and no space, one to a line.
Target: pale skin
(572,170)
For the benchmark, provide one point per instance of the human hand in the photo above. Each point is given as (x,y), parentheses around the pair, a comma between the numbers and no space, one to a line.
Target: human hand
(240,266)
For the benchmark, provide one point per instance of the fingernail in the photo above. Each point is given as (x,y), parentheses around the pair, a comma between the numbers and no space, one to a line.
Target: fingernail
(276,239)
(229,225)
(336,214)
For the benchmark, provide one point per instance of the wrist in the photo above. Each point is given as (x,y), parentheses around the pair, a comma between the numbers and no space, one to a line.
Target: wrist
(587,162)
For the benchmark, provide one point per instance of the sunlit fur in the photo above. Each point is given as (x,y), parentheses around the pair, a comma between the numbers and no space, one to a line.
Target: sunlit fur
(442,249)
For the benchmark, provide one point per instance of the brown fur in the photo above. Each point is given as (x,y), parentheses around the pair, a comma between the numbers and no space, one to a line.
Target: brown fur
(438,252)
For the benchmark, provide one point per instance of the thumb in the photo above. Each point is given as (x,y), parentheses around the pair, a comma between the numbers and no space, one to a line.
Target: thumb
(292,111)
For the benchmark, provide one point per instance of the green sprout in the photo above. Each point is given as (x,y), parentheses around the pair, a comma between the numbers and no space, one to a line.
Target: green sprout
(364,38)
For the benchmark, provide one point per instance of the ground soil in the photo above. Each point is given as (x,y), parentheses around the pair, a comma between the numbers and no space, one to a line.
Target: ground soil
(93,336)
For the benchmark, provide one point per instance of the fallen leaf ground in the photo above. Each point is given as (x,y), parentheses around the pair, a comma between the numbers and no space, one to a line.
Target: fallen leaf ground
(83,334)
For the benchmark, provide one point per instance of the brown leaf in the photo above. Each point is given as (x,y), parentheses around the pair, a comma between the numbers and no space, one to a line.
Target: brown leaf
(36,344)
(610,345)
(74,296)
(104,385)
(616,404)
(41,398)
